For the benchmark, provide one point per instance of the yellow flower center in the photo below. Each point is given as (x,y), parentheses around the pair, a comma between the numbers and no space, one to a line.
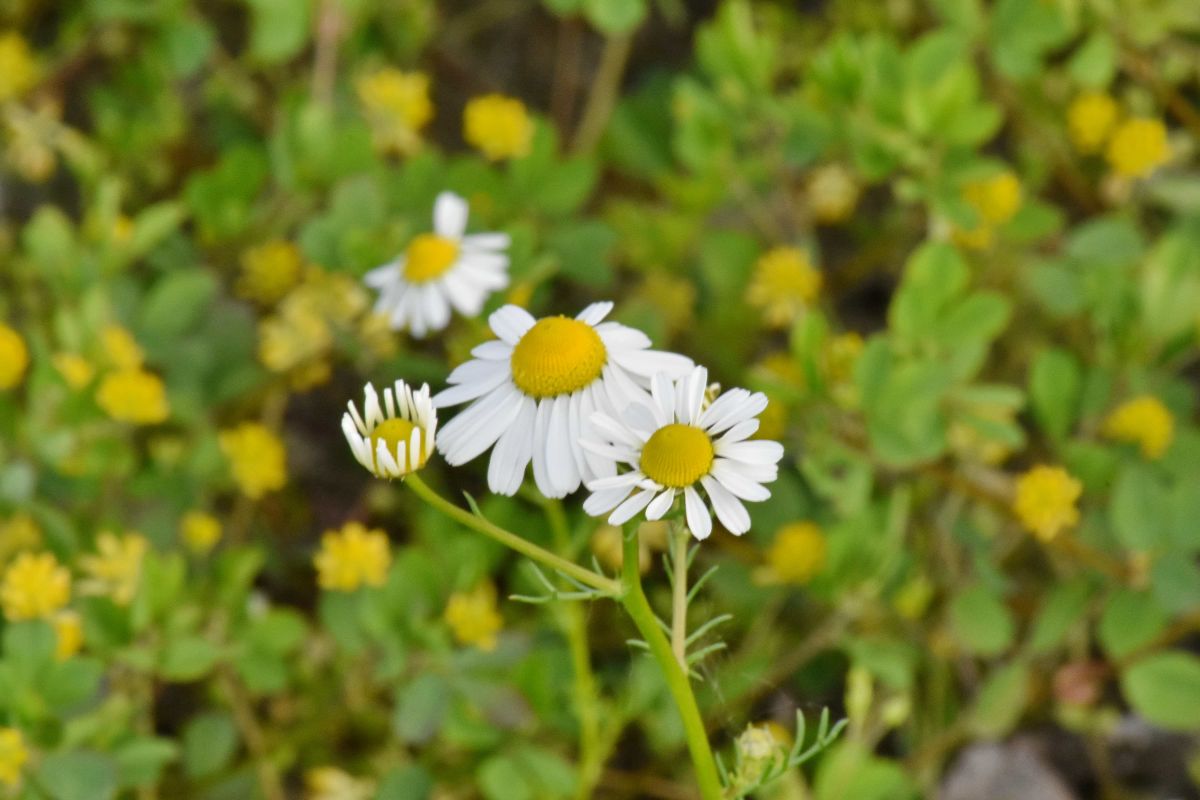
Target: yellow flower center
(557,356)
(396,432)
(677,455)
(428,257)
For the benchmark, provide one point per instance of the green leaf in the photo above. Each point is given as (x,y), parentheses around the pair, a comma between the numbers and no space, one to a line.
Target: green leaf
(1175,581)
(411,782)
(1062,610)
(78,775)
(1111,241)
(1139,509)
(279,29)
(503,778)
(849,770)
(209,744)
(1055,386)
(420,707)
(584,250)
(1131,620)
(187,659)
(615,17)
(140,762)
(176,303)
(1001,701)
(1095,62)
(982,622)
(1165,689)
(68,684)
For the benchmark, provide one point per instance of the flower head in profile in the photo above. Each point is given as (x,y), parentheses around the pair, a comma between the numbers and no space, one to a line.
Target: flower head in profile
(446,269)
(269,271)
(498,126)
(133,395)
(115,569)
(13,755)
(785,283)
(473,618)
(200,531)
(996,198)
(1138,147)
(14,357)
(675,445)
(1045,501)
(353,557)
(395,438)
(532,391)
(257,458)
(34,586)
(1143,421)
(1090,119)
(397,106)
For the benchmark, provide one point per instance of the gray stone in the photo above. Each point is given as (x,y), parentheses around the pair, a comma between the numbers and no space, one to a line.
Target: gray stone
(1002,771)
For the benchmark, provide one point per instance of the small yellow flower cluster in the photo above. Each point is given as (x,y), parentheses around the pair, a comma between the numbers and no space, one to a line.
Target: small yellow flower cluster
(115,570)
(785,283)
(473,618)
(120,348)
(35,586)
(13,755)
(996,200)
(269,271)
(497,126)
(200,531)
(14,357)
(1143,421)
(129,393)
(18,69)
(1134,147)
(1045,501)
(32,134)
(832,193)
(797,554)
(331,783)
(397,106)
(353,557)
(68,634)
(256,457)
(18,532)
(76,370)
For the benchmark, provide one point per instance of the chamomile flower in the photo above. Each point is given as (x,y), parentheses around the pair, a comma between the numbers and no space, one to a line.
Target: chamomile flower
(675,445)
(446,269)
(533,390)
(396,438)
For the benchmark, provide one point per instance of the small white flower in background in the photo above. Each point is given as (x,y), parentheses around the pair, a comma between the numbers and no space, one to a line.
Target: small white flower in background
(446,269)
(674,445)
(396,438)
(535,387)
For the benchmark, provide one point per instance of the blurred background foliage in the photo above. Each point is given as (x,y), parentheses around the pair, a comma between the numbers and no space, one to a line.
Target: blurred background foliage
(956,242)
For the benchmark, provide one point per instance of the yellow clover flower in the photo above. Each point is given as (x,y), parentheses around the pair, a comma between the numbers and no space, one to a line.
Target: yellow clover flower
(115,570)
(14,357)
(133,395)
(256,457)
(18,69)
(1090,120)
(832,193)
(1143,421)
(797,554)
(35,586)
(996,199)
(1138,147)
(18,532)
(497,126)
(269,271)
(784,285)
(473,618)
(13,755)
(1045,501)
(121,348)
(331,783)
(352,557)
(397,106)
(200,531)
(76,370)
(68,634)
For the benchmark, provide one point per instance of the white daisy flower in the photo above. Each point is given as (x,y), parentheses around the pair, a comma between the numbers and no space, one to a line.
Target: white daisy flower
(396,438)
(675,445)
(535,387)
(439,270)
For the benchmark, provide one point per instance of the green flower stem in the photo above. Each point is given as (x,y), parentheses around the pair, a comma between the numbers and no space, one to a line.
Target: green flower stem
(679,558)
(635,603)
(511,540)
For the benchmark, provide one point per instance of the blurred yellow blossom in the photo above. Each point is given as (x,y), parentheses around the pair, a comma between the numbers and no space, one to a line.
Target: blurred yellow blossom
(841,355)
(35,585)
(256,457)
(1045,500)
(772,422)
(1138,147)
(269,271)
(76,370)
(499,127)
(832,193)
(18,532)
(13,755)
(972,439)
(331,783)
(1143,421)
(674,296)
(133,395)
(353,557)
(18,69)
(68,634)
(32,134)
(473,618)
(784,285)
(397,107)
(121,348)
(14,357)
(796,555)
(299,337)
(1090,119)
(122,229)
(996,199)
(200,531)
(115,569)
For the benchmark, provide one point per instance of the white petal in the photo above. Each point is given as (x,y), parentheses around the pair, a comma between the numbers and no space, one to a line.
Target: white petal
(620,337)
(605,500)
(625,480)
(510,323)
(730,511)
(631,507)
(487,241)
(494,350)
(563,470)
(756,452)
(690,397)
(477,370)
(738,484)
(660,505)
(662,389)
(595,313)
(698,519)
(450,215)
(383,276)
(645,363)
(743,430)
(511,457)
(541,426)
